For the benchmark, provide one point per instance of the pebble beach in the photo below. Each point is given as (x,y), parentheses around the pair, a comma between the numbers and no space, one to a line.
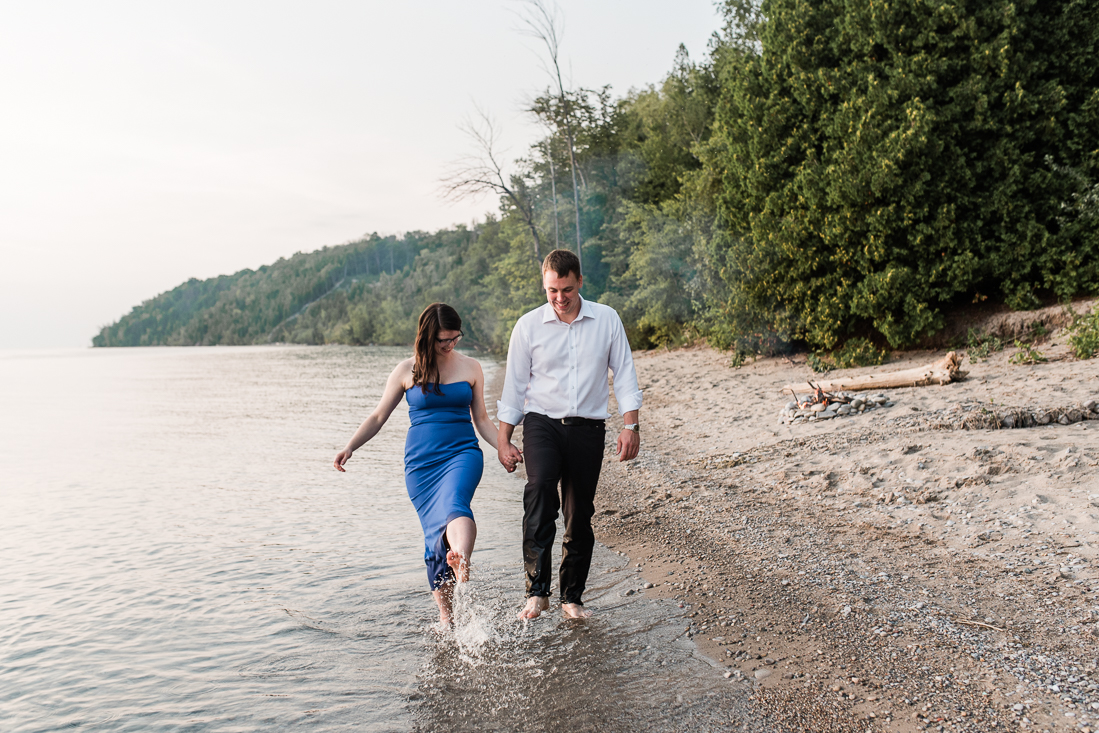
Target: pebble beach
(925,560)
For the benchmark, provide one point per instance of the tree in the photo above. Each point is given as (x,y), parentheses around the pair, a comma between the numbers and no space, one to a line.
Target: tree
(481,172)
(668,125)
(881,161)
(545,24)
(547,153)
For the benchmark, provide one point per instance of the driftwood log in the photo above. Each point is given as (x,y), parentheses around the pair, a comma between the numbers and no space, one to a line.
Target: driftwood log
(944,371)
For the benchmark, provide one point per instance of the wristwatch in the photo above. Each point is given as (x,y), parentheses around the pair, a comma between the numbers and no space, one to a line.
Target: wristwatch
(632,426)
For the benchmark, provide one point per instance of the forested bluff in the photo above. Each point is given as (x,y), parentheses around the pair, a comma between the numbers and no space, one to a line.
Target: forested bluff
(830,173)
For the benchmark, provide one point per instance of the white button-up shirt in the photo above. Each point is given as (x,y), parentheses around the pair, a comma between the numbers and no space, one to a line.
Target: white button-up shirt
(560,369)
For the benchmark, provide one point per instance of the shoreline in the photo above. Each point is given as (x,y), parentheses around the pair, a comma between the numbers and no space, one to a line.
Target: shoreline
(885,571)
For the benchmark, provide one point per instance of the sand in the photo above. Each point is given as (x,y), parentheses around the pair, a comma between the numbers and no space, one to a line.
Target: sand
(885,571)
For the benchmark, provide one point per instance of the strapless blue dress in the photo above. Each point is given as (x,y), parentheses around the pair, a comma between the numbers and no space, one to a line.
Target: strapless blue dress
(442,467)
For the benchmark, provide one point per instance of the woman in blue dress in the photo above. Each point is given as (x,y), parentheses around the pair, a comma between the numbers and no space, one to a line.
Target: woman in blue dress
(443,463)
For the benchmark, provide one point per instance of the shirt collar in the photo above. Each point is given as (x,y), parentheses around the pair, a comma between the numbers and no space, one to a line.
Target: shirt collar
(549,315)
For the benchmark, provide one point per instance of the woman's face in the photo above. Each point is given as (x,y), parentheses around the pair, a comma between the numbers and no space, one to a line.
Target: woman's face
(445,341)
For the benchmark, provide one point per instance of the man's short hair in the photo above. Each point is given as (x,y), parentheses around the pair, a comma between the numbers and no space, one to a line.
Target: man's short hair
(562,262)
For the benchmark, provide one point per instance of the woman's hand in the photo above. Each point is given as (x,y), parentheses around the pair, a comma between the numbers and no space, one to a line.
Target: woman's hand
(510,456)
(394,390)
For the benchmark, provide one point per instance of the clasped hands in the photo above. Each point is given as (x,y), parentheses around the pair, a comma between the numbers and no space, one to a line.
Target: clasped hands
(629,443)
(510,456)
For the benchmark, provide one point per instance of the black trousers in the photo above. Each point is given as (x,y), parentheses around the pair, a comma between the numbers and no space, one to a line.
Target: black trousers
(570,456)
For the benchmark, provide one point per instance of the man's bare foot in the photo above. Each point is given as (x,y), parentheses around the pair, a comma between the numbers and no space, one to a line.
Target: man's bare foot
(535,606)
(459,565)
(575,610)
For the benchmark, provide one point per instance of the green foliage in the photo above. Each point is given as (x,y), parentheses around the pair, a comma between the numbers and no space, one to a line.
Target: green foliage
(665,125)
(859,352)
(831,169)
(157,321)
(334,295)
(1027,354)
(980,345)
(856,352)
(1037,331)
(1084,334)
(268,304)
(819,364)
(879,162)
(654,293)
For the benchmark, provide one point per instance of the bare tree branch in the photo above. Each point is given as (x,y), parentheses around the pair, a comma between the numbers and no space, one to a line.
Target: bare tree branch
(481,172)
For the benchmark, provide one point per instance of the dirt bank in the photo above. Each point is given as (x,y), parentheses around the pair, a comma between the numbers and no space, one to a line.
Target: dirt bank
(886,571)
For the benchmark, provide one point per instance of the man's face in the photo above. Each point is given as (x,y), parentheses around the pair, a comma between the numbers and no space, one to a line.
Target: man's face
(563,293)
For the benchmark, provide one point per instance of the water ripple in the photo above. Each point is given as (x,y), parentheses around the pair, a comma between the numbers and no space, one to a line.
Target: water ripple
(188,560)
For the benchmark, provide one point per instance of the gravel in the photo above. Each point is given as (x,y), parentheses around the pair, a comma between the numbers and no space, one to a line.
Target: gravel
(859,404)
(844,624)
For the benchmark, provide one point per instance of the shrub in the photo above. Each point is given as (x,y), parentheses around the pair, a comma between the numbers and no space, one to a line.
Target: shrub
(1026,354)
(856,352)
(1084,334)
(879,163)
(980,345)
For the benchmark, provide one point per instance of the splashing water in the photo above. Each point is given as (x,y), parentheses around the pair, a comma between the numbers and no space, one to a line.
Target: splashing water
(476,622)
(626,667)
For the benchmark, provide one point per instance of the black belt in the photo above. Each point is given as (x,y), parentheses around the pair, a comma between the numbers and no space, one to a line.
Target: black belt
(579,421)
(572,421)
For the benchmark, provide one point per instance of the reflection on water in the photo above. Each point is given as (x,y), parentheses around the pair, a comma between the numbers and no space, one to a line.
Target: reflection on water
(176,552)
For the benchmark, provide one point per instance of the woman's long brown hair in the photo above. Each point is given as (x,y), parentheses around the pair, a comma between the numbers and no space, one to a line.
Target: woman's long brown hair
(435,318)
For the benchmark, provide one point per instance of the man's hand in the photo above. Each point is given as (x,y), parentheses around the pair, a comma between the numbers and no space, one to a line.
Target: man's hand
(629,443)
(510,456)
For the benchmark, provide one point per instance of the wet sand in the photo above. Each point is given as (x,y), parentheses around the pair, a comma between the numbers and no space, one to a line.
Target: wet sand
(886,571)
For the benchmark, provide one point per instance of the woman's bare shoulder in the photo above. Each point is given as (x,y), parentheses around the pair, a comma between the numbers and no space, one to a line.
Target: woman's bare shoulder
(469,360)
(471,366)
(403,371)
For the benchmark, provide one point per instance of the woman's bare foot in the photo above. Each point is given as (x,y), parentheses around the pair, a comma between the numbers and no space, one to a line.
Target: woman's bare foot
(575,610)
(459,565)
(535,606)
(444,599)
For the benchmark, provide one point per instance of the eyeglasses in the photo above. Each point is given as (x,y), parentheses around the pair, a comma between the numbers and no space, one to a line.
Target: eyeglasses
(453,342)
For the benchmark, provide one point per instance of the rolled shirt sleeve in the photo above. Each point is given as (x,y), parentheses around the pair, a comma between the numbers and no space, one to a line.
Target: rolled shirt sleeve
(626,391)
(509,408)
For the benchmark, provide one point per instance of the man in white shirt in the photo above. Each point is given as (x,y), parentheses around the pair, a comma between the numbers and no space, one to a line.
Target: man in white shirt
(556,385)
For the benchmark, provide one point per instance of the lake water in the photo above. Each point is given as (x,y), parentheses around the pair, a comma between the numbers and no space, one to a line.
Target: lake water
(177,554)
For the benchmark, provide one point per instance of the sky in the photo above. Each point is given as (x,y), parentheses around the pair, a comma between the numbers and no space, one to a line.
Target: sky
(142,144)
